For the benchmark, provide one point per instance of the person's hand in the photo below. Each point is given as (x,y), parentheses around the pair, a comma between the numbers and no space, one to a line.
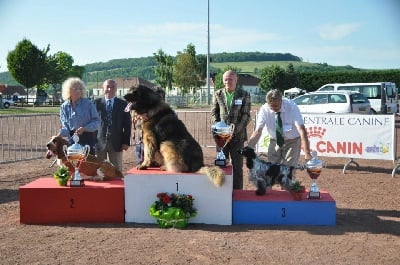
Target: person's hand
(249,147)
(80,130)
(125,147)
(307,156)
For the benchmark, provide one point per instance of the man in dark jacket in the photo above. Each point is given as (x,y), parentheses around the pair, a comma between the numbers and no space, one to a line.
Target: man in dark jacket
(232,105)
(115,132)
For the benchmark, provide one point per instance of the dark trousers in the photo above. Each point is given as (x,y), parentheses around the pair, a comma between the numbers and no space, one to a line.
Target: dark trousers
(232,150)
(86,138)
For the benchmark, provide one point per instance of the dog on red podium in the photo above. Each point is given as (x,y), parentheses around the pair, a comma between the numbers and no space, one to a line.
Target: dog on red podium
(91,167)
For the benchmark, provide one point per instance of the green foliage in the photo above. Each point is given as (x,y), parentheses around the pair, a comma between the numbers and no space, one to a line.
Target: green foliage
(62,175)
(186,71)
(60,67)
(253,56)
(27,64)
(29,110)
(314,80)
(297,186)
(184,202)
(273,77)
(164,69)
(292,72)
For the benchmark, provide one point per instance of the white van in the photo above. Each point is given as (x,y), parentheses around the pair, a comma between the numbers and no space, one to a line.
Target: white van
(333,102)
(382,95)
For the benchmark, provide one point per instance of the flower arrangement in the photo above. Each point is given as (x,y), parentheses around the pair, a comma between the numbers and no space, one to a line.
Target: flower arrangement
(62,175)
(173,210)
(297,189)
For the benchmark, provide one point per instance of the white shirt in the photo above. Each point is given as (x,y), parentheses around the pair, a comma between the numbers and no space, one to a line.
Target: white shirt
(290,115)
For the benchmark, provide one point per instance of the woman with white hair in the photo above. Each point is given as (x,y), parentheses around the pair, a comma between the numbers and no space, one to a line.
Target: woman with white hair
(78,114)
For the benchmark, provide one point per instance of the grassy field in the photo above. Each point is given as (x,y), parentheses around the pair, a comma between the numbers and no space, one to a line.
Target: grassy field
(13,110)
(249,67)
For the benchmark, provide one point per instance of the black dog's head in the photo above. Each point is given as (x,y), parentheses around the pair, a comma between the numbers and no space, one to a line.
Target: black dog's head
(141,99)
(249,154)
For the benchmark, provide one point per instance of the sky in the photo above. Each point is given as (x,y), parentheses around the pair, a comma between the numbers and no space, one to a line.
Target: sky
(361,33)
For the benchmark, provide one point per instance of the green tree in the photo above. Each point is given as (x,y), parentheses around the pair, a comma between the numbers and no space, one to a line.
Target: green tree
(291,77)
(27,64)
(60,67)
(273,77)
(186,70)
(164,69)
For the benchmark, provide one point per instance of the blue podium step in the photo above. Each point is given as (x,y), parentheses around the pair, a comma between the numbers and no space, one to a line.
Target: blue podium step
(277,207)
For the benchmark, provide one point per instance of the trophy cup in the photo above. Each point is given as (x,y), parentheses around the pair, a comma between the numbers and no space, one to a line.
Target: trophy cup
(222,134)
(314,168)
(76,153)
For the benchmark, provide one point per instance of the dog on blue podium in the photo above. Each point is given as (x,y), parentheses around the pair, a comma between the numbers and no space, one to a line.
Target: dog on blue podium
(265,174)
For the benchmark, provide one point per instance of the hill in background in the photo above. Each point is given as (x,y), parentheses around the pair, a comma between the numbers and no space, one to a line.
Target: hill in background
(247,62)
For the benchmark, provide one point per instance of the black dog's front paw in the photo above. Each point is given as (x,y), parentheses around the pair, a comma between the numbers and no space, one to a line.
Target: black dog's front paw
(261,189)
(142,166)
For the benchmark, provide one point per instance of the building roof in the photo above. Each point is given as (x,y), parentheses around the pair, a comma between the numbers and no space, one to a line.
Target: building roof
(247,80)
(132,81)
(11,90)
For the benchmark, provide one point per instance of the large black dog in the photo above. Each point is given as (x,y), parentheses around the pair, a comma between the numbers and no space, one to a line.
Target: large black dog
(265,174)
(166,140)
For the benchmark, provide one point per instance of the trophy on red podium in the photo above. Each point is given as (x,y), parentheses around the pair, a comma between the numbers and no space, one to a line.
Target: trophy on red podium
(76,153)
(222,134)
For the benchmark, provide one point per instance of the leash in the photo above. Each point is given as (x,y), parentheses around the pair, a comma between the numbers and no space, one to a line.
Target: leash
(52,163)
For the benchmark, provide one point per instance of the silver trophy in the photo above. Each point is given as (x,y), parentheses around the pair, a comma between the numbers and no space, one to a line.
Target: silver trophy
(76,153)
(314,168)
(222,134)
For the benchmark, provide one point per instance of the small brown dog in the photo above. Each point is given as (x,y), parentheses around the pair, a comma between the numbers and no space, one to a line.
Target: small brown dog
(91,167)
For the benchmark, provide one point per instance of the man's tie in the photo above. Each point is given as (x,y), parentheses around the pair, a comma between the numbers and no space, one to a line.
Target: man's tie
(109,114)
(279,130)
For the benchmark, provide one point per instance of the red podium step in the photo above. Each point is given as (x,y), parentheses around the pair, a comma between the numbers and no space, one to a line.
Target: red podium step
(43,201)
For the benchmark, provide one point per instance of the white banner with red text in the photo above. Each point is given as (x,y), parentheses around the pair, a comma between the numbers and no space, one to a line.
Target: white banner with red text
(347,135)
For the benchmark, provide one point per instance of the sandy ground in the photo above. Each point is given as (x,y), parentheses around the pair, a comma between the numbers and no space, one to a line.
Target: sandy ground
(367,229)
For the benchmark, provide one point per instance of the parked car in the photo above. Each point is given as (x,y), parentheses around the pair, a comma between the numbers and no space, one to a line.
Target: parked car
(333,102)
(7,103)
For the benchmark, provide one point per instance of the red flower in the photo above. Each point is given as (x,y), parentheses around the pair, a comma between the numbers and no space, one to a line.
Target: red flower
(166,199)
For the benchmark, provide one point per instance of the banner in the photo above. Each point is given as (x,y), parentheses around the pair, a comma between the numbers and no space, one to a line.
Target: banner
(347,135)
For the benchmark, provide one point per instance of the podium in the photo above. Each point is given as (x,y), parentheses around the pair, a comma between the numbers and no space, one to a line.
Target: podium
(277,207)
(43,201)
(213,204)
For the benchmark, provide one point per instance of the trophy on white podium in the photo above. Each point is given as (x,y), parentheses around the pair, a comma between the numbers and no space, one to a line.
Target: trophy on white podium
(222,134)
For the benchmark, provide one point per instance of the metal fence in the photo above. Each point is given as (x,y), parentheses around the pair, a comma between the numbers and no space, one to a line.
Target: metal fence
(24,137)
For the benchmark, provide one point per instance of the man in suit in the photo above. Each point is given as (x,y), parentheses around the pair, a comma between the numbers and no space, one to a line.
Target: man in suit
(115,132)
(232,105)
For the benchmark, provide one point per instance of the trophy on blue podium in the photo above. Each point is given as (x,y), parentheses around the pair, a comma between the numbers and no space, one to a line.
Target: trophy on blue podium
(314,168)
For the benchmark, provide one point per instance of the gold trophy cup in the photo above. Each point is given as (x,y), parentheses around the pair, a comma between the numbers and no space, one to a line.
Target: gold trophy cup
(222,134)
(76,153)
